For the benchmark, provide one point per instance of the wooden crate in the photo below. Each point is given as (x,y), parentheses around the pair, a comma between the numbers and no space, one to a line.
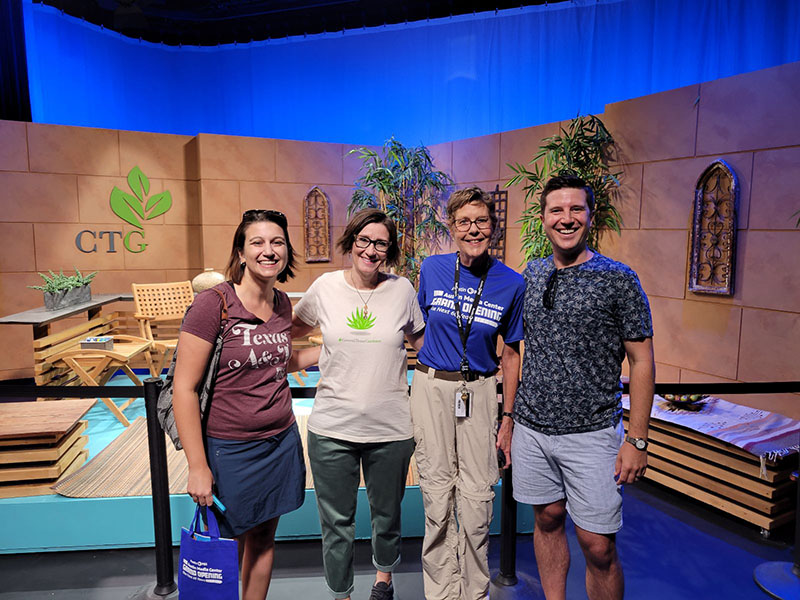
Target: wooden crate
(721,475)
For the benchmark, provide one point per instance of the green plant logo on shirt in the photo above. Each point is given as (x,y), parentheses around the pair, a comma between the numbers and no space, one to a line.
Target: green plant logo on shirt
(361,319)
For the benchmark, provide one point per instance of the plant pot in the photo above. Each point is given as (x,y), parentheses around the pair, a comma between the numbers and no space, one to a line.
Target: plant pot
(65,298)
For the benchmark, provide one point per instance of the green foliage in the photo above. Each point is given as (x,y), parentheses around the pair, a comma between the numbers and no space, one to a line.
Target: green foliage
(57,282)
(404,184)
(582,150)
(136,207)
(361,319)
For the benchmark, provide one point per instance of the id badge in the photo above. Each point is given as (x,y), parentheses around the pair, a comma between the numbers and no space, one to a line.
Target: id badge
(463,401)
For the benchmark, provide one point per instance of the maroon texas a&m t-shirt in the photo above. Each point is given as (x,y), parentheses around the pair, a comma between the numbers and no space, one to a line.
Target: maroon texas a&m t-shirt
(251,398)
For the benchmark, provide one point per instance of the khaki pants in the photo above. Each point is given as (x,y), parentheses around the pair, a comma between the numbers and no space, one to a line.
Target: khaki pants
(457,464)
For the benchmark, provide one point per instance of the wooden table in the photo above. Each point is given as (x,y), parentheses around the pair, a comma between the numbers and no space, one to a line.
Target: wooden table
(46,343)
(96,367)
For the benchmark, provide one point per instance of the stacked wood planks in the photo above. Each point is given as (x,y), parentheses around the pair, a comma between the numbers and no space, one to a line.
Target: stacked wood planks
(40,442)
(721,475)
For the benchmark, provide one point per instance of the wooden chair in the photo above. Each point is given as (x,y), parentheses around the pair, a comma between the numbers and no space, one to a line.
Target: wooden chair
(159,310)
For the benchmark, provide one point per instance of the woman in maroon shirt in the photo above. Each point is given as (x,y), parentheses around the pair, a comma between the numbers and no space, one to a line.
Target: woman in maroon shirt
(248,450)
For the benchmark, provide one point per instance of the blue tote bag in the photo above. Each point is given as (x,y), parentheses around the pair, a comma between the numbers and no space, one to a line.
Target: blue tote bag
(209,564)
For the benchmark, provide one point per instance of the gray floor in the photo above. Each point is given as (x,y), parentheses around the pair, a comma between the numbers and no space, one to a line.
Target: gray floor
(670,548)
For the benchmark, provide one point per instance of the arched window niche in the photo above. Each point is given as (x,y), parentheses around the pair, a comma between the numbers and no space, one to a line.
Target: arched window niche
(317,226)
(716,204)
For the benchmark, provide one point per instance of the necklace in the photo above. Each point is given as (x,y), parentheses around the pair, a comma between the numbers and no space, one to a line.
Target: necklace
(372,291)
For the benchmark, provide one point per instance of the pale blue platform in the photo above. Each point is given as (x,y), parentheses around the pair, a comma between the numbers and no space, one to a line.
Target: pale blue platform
(55,523)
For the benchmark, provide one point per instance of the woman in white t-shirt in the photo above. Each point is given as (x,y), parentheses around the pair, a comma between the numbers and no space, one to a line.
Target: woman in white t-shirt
(361,416)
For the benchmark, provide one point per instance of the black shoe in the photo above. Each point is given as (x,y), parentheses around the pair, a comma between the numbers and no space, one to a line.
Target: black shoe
(382,591)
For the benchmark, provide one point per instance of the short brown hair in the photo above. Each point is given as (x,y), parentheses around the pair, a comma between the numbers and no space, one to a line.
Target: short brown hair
(360,220)
(467,196)
(234,270)
(566,181)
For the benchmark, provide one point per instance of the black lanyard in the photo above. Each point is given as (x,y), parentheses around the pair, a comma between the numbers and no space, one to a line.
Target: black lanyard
(463,331)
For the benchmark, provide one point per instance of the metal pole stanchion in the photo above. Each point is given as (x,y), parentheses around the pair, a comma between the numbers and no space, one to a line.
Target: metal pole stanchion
(162,523)
(508,533)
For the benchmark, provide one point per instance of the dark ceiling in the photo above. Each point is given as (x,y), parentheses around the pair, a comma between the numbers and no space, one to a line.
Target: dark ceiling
(212,22)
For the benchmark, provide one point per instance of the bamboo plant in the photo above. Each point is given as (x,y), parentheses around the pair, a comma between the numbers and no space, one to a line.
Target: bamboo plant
(582,149)
(404,184)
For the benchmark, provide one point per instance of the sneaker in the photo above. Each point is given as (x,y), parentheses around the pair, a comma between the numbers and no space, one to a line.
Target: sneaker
(382,591)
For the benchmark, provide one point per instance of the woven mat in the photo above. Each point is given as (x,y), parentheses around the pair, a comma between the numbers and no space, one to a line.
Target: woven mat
(122,468)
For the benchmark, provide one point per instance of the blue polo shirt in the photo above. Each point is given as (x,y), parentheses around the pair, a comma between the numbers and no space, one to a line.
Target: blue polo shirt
(499,313)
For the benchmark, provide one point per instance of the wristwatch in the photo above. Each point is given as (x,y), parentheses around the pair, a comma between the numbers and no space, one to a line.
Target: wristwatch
(638,443)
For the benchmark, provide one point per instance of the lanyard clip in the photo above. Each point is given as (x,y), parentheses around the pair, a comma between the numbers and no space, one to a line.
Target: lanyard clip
(464,368)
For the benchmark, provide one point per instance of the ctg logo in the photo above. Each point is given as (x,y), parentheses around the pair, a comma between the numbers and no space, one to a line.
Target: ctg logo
(131,208)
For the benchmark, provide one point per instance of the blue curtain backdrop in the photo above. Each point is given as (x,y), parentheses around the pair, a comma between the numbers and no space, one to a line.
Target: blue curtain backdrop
(423,83)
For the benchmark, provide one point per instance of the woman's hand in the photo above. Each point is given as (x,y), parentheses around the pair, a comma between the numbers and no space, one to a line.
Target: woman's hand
(199,485)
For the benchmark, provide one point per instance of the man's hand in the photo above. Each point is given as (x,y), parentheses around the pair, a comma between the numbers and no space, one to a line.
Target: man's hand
(631,464)
(504,439)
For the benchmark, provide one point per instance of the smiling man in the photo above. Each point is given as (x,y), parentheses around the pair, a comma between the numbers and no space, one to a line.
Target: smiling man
(583,314)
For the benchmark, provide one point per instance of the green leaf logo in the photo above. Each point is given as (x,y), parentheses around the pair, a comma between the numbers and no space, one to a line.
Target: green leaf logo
(140,184)
(127,207)
(361,320)
(137,207)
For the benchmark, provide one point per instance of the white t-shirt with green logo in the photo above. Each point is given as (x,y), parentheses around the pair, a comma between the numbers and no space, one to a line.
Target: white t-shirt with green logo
(362,395)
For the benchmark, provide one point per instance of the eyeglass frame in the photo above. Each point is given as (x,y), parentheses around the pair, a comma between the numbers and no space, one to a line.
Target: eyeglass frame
(550,290)
(373,243)
(464,221)
(278,216)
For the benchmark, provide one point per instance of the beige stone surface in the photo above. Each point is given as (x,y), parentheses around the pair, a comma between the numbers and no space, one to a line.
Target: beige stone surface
(521,145)
(79,150)
(629,194)
(666,373)
(94,195)
(476,159)
(442,157)
(316,162)
(14,147)
(158,155)
(656,127)
(657,256)
(18,363)
(118,281)
(776,189)
(235,158)
(16,296)
(668,190)
(56,247)
(168,246)
(216,242)
(219,202)
(186,206)
(351,163)
(17,252)
(696,335)
(750,111)
(284,197)
(771,270)
(39,197)
(770,345)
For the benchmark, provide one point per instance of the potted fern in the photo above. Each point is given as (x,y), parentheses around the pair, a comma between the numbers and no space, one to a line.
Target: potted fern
(61,291)
(404,184)
(582,149)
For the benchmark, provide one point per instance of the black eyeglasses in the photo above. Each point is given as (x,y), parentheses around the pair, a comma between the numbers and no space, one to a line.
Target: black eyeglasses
(363,242)
(466,224)
(273,215)
(550,289)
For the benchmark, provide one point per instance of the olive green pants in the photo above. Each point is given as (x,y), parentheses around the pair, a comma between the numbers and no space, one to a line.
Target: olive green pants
(336,466)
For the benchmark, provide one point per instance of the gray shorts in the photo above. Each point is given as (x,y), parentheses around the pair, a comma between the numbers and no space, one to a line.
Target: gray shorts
(575,466)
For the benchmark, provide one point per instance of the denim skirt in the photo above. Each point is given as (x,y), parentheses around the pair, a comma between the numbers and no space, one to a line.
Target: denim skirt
(257,480)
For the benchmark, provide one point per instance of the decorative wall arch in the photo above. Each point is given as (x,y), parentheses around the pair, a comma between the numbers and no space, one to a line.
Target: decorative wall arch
(317,226)
(716,204)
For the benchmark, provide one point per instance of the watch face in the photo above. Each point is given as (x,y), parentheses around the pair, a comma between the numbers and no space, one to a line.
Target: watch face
(641,444)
